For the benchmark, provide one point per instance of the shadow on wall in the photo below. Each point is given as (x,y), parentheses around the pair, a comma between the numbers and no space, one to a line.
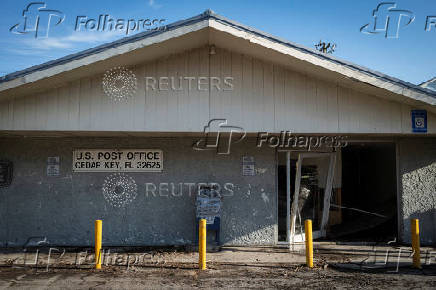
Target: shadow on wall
(418,187)
(247,218)
(63,208)
(427,227)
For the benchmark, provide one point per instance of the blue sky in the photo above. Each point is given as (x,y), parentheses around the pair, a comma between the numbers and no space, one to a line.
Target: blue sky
(409,57)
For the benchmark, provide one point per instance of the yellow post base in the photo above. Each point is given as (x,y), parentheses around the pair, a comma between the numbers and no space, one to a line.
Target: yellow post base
(414,224)
(98,234)
(202,245)
(309,243)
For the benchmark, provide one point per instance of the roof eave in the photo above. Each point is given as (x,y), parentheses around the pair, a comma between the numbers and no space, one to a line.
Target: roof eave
(217,22)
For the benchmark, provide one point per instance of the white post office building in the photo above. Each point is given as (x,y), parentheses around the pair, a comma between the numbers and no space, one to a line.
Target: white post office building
(271,132)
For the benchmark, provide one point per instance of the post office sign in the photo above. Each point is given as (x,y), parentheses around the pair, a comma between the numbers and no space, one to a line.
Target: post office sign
(117,160)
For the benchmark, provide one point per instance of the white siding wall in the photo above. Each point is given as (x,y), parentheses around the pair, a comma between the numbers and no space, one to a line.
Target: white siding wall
(265,97)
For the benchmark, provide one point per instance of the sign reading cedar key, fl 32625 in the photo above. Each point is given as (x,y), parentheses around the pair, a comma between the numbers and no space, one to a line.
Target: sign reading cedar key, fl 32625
(124,160)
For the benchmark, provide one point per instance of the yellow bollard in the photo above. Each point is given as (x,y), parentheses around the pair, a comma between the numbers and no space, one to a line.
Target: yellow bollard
(414,223)
(309,243)
(98,234)
(202,245)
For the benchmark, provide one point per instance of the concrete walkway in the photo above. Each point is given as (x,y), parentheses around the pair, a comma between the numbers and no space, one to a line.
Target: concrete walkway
(324,253)
(336,266)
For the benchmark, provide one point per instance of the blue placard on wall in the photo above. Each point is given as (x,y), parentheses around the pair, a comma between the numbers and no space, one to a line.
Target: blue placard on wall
(419,121)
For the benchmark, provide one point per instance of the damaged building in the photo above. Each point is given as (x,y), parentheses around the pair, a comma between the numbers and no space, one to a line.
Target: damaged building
(268,133)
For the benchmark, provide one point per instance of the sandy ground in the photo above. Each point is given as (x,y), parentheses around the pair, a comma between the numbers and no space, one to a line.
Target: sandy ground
(217,276)
(339,267)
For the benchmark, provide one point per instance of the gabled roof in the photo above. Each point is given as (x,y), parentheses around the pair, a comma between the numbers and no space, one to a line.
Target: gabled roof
(430,84)
(103,47)
(208,19)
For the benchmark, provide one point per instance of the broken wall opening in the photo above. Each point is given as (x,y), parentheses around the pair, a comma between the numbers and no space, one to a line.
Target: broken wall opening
(312,178)
(368,208)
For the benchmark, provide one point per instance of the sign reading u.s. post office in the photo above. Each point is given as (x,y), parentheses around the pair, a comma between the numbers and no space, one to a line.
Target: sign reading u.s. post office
(113,160)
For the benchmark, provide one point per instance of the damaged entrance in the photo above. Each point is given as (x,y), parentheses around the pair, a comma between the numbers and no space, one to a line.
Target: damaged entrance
(348,195)
(369,193)
(306,193)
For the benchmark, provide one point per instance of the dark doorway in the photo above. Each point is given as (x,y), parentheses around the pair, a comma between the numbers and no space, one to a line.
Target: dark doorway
(281,188)
(369,193)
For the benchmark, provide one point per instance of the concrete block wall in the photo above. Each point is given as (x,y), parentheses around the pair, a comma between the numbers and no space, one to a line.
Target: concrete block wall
(64,208)
(417,169)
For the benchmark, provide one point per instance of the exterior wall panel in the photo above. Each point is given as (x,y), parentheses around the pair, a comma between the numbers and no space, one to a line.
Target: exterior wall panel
(418,187)
(265,97)
(63,208)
